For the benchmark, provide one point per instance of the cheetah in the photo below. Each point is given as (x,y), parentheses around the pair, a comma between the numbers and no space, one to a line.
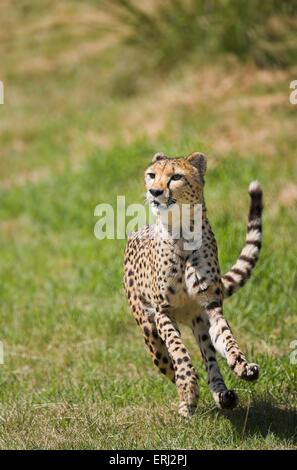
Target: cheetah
(167,284)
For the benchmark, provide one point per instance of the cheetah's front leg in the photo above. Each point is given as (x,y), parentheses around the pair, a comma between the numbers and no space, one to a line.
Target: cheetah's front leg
(225,343)
(185,375)
(223,397)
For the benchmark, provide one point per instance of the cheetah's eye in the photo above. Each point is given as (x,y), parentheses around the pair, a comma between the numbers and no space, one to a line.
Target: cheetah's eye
(151,175)
(176,177)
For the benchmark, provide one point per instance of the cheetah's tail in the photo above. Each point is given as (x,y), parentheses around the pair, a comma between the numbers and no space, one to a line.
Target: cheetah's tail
(241,270)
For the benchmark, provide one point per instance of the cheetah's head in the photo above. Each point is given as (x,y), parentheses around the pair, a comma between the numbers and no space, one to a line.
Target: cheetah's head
(172,181)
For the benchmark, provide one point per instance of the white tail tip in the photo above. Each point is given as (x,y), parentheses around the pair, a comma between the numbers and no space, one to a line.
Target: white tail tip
(255,187)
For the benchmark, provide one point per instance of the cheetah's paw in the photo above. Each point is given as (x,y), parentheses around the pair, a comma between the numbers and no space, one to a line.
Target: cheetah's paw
(186,410)
(227,399)
(251,372)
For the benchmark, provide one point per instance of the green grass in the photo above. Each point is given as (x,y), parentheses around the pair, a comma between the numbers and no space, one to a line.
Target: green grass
(76,372)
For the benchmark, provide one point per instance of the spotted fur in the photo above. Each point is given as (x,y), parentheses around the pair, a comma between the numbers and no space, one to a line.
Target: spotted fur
(168,285)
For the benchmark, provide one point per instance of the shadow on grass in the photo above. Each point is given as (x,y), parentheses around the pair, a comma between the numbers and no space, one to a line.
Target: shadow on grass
(264,418)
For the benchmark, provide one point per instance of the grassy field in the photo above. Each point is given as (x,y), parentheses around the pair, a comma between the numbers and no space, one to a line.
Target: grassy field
(79,124)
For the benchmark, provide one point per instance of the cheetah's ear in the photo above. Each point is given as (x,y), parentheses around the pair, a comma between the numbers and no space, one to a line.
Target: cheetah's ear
(158,156)
(198,160)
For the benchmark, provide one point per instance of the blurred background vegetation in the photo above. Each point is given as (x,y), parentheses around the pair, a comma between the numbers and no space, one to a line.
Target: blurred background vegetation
(170,31)
(92,90)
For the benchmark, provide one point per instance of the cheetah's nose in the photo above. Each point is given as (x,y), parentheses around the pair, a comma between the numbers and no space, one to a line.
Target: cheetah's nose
(156,192)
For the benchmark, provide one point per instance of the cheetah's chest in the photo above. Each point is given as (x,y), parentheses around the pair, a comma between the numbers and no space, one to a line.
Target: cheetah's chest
(186,279)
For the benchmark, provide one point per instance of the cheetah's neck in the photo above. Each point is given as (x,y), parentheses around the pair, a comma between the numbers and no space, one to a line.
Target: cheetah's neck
(183,230)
